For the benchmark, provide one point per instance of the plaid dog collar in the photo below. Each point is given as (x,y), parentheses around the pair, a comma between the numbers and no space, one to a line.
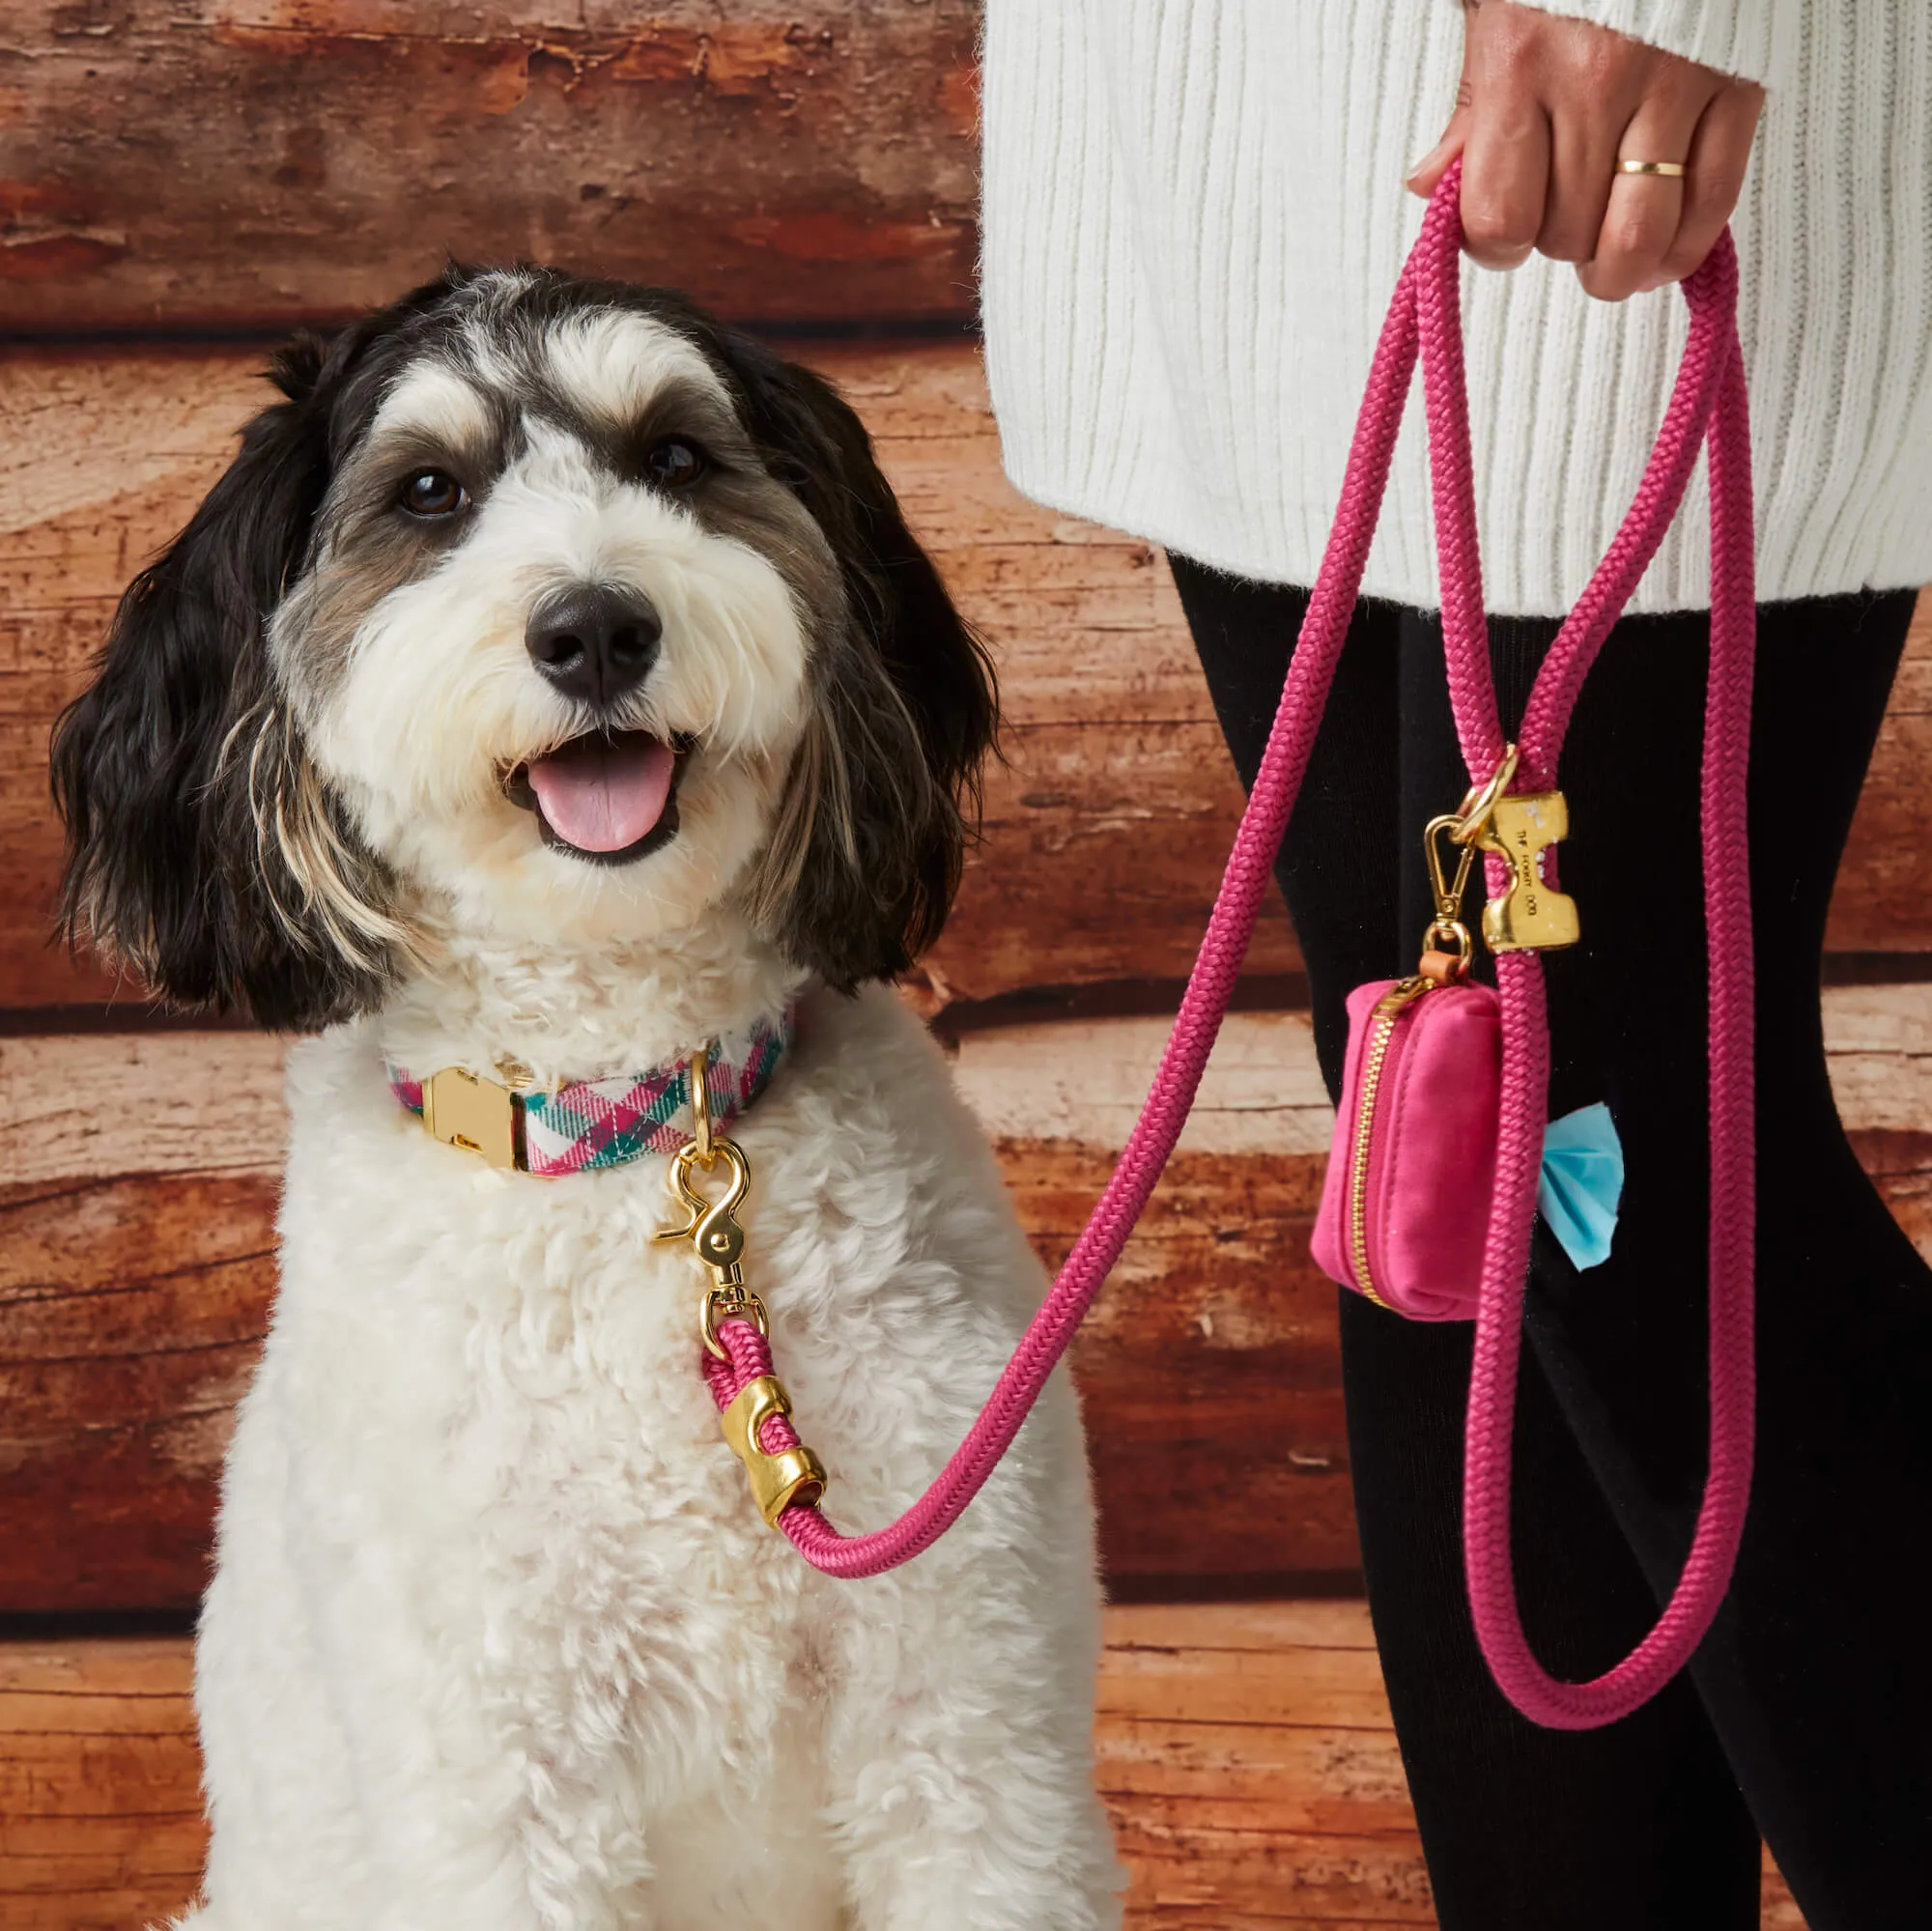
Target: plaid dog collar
(600,1123)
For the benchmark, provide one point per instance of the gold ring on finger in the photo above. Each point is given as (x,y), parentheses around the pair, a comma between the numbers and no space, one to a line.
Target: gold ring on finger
(1670,170)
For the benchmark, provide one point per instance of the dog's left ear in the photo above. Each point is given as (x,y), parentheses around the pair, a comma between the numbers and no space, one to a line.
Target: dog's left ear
(884,791)
(201,846)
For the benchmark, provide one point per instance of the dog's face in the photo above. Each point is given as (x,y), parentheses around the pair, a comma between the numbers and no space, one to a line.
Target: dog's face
(541,608)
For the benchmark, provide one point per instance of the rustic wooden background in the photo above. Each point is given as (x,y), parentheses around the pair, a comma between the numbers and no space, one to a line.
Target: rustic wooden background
(178,182)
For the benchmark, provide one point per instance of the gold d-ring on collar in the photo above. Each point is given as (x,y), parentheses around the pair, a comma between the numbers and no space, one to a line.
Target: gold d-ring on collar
(701,1108)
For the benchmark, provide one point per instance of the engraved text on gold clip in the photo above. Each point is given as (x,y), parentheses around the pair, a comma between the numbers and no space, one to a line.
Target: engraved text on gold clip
(1530,915)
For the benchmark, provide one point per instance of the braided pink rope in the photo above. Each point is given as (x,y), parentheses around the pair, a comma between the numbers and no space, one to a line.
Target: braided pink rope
(1708,398)
(1425,321)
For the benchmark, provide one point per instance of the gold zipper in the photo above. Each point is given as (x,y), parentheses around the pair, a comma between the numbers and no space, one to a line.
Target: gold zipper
(1387,1009)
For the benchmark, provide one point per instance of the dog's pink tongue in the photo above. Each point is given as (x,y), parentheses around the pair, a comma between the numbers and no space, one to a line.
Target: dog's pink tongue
(602,795)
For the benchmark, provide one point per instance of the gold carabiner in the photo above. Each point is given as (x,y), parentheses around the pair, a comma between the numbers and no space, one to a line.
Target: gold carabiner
(717,1238)
(1441,966)
(1448,896)
(713,1228)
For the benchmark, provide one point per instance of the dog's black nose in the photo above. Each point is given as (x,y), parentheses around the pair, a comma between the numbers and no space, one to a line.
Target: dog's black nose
(594,641)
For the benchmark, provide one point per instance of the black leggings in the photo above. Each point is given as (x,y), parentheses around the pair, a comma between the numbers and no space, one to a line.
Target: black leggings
(1807,1714)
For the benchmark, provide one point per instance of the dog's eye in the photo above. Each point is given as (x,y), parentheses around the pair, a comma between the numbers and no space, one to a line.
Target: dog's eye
(433,493)
(674,464)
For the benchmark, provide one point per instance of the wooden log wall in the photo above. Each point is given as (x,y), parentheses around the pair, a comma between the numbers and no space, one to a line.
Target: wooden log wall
(178,181)
(224,163)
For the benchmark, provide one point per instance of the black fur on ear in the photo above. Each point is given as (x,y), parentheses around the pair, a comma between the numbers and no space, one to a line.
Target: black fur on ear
(202,847)
(883,792)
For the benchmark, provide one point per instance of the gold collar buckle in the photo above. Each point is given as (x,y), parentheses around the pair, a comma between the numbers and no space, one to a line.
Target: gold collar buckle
(463,1109)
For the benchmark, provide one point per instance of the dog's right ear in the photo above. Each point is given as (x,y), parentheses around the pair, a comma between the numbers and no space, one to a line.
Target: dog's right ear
(157,769)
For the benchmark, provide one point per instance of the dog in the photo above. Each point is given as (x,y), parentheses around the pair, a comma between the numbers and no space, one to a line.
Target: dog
(550,689)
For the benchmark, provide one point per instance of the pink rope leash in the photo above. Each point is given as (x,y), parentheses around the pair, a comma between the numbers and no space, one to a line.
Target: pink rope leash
(1424,322)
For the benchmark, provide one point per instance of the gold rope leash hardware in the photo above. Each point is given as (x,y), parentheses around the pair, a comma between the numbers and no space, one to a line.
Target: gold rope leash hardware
(712,1227)
(1472,814)
(716,1237)
(718,1240)
(776,1479)
(1531,916)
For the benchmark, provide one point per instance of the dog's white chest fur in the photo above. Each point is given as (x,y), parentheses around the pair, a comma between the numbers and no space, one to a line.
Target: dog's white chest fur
(498,1637)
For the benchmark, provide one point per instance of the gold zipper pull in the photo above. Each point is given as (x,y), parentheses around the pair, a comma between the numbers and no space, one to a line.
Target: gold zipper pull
(1403,992)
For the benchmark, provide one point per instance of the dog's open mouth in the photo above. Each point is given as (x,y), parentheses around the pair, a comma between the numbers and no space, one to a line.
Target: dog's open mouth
(610,798)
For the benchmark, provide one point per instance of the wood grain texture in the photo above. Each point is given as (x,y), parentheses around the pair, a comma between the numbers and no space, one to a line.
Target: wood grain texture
(101,1819)
(241,163)
(1245,1756)
(1210,1371)
(1249,1765)
(131,1316)
(1884,900)
(1217,1329)
(136,1270)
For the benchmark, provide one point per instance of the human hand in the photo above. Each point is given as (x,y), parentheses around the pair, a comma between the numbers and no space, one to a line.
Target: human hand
(1547,109)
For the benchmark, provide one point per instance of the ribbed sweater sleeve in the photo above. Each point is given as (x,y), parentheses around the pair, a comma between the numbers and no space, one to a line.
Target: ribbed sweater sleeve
(1755,39)
(1194,216)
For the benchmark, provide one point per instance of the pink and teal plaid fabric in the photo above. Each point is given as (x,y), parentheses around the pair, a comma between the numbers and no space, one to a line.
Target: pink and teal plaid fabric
(604,1122)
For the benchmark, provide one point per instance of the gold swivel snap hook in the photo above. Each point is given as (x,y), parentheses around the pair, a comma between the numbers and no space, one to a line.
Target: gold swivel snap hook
(779,1477)
(717,1238)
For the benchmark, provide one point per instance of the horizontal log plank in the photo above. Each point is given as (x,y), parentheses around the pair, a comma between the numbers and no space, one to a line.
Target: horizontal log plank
(1249,1764)
(1106,830)
(1246,1755)
(136,1271)
(131,1316)
(249,163)
(100,1814)
(1217,1329)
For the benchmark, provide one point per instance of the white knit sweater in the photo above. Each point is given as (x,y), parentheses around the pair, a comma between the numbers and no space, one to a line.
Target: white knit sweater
(1195,214)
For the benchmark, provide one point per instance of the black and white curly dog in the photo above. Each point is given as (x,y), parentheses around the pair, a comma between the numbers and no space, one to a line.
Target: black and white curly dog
(553,679)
